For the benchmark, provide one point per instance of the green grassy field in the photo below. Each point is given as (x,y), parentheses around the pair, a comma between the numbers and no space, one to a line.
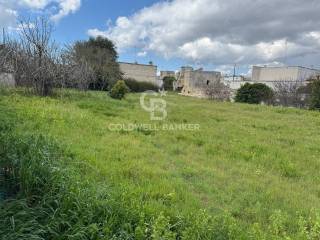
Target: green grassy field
(250,172)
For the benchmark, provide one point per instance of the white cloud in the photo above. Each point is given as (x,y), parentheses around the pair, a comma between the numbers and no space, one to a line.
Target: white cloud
(66,7)
(96,33)
(142,54)
(21,26)
(9,10)
(37,4)
(225,69)
(223,32)
(7,16)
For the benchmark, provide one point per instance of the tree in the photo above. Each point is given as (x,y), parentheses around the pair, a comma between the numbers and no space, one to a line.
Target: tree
(5,59)
(34,56)
(168,83)
(254,93)
(39,64)
(101,55)
(315,95)
(217,91)
(75,72)
(289,93)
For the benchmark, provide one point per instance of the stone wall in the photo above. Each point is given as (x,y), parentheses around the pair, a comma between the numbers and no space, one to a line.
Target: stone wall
(164,74)
(139,72)
(195,82)
(7,80)
(184,76)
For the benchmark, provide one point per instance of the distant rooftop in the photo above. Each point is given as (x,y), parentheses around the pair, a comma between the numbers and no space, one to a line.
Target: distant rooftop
(288,67)
(138,64)
(198,70)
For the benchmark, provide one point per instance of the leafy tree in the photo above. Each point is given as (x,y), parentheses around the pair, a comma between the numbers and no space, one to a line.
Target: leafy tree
(119,90)
(315,95)
(254,93)
(168,83)
(100,53)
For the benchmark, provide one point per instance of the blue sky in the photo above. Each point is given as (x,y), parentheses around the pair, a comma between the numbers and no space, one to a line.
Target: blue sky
(97,15)
(202,33)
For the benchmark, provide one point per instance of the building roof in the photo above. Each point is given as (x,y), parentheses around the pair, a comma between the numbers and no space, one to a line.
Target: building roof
(314,69)
(139,64)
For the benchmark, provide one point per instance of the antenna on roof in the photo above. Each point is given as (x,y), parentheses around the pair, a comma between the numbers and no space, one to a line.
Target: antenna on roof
(3,36)
(135,54)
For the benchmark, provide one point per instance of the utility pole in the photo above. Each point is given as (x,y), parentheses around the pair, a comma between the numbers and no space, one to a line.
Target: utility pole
(234,71)
(135,54)
(286,52)
(3,36)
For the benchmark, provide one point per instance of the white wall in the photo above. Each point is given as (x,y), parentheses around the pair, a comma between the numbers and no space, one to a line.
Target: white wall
(265,74)
(7,80)
(306,73)
(235,85)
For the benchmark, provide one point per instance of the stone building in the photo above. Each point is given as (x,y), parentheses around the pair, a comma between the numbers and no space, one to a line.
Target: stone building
(273,75)
(139,72)
(164,74)
(195,82)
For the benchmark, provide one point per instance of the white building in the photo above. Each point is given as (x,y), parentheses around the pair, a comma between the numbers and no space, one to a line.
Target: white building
(234,82)
(272,75)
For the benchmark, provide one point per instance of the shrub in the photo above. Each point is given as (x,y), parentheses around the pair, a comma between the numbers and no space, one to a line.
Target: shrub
(136,86)
(254,93)
(290,94)
(315,95)
(119,90)
(168,83)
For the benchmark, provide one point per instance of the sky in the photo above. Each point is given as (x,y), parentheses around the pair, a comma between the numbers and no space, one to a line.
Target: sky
(213,34)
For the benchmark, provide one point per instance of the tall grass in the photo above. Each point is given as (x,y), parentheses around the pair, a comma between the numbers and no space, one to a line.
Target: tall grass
(57,195)
(52,200)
